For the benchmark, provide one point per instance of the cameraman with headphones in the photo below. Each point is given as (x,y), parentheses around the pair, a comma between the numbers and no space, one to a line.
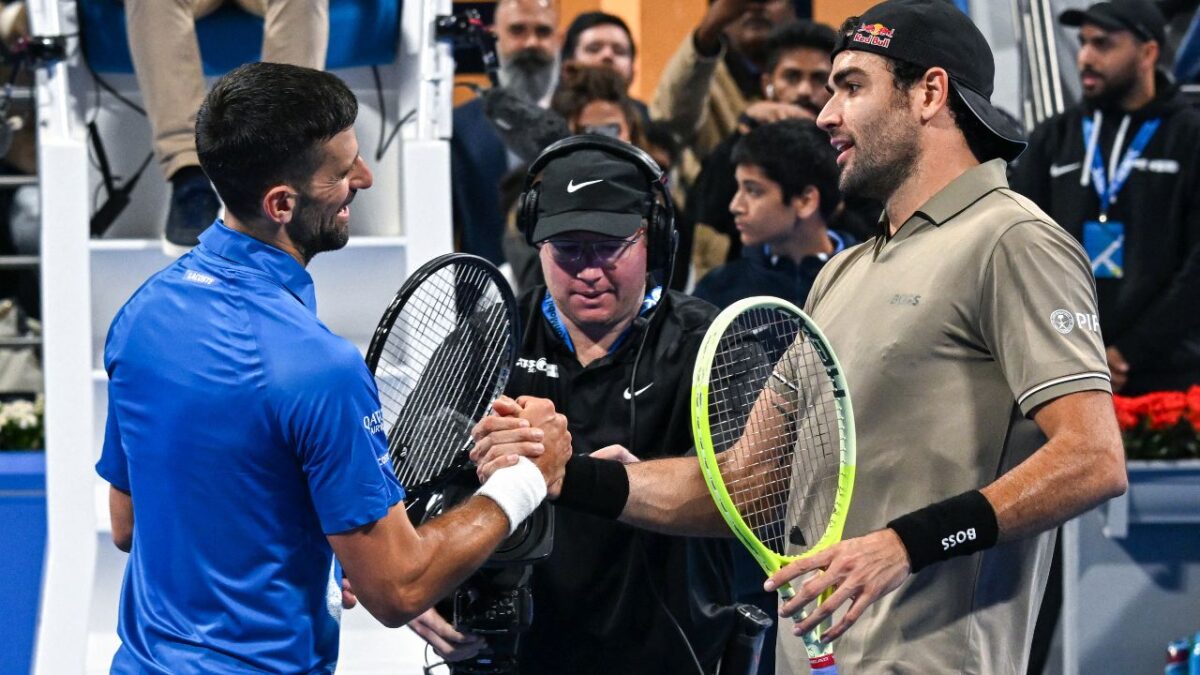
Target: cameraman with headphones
(614,350)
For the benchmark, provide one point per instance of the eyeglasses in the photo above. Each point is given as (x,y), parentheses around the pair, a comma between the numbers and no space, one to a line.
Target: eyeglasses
(604,252)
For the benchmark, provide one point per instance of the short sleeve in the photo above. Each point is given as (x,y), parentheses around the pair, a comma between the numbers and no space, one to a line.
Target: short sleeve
(335,424)
(113,466)
(1039,317)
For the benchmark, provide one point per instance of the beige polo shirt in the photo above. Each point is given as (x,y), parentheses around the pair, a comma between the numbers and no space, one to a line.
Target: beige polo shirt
(951,333)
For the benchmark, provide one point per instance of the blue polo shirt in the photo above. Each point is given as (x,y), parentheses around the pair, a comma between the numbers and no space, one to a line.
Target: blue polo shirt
(245,432)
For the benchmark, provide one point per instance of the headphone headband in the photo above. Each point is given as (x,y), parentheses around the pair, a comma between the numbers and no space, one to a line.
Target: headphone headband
(561,148)
(659,214)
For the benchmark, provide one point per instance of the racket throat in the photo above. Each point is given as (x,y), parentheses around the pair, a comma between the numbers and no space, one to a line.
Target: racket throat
(796,537)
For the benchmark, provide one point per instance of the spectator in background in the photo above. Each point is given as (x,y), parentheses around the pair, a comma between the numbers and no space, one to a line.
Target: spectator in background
(787,194)
(1119,171)
(715,73)
(602,39)
(664,148)
(792,86)
(1148,301)
(662,145)
(593,100)
(527,46)
(166,60)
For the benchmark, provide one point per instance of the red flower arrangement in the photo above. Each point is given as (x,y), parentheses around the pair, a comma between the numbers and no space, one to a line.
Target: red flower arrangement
(1161,425)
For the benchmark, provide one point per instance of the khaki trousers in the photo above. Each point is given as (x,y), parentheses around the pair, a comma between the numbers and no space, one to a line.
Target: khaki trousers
(166,59)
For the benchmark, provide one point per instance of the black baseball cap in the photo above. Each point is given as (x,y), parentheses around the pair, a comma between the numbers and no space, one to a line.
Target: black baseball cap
(1140,17)
(935,33)
(591,190)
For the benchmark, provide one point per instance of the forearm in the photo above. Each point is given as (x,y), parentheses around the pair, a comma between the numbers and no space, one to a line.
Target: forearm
(399,572)
(1081,466)
(453,546)
(1069,475)
(669,496)
(683,90)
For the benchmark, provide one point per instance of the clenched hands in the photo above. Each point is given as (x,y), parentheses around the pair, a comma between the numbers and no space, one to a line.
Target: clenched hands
(527,427)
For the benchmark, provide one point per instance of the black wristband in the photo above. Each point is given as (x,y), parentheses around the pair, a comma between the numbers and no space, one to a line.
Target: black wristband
(955,527)
(596,486)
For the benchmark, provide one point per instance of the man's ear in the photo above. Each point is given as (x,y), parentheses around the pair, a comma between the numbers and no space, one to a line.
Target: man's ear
(807,203)
(935,93)
(279,204)
(1150,52)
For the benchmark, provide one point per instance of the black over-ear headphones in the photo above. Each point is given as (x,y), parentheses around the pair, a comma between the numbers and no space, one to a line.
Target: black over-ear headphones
(659,212)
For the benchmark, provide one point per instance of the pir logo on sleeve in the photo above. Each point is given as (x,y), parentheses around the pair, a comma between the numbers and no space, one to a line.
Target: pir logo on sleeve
(1064,321)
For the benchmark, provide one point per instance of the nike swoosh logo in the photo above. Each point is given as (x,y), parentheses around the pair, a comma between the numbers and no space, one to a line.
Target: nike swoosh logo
(572,187)
(638,392)
(1056,170)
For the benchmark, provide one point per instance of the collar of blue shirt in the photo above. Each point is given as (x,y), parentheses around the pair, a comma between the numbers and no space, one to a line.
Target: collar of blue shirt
(259,257)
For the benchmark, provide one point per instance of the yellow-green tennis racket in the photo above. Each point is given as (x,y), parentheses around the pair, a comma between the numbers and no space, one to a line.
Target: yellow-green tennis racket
(774,431)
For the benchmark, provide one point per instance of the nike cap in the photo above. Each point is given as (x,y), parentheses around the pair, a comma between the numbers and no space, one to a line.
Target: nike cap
(591,190)
(936,33)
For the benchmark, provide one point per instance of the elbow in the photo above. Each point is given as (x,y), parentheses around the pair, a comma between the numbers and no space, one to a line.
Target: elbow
(394,618)
(122,535)
(122,540)
(1113,477)
(1118,481)
(398,615)
(399,608)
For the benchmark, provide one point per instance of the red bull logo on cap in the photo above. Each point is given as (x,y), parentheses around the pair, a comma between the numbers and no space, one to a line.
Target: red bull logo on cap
(875,34)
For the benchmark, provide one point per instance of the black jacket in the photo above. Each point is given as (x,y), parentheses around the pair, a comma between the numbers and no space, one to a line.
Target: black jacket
(1152,315)
(757,273)
(594,598)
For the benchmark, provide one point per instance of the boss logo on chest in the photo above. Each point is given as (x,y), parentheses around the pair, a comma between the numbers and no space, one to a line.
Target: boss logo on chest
(905,300)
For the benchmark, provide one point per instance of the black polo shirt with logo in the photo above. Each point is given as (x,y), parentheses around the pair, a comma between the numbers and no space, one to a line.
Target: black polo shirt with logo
(595,606)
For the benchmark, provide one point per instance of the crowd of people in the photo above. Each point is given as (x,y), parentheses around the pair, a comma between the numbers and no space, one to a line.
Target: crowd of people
(749,65)
(861,172)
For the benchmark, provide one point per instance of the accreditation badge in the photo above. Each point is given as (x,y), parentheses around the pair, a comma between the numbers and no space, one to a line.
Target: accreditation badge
(1105,246)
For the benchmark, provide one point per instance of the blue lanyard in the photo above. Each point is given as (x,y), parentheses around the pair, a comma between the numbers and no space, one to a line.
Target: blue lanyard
(1106,190)
(550,311)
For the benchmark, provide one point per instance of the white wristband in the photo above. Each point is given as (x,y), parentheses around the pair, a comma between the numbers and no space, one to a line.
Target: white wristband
(517,490)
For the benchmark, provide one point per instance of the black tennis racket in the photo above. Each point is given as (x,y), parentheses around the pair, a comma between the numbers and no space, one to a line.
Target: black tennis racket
(442,353)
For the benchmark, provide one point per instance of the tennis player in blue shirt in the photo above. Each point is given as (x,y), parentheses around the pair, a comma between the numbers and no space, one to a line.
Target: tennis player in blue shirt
(244,444)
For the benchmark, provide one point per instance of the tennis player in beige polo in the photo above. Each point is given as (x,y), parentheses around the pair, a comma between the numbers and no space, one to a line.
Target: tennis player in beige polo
(968,336)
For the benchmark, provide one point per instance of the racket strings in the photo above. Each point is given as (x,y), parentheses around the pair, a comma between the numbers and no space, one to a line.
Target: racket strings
(440,415)
(772,406)
(438,367)
(447,433)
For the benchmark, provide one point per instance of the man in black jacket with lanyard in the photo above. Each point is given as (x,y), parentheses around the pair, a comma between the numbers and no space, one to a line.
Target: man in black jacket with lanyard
(1120,172)
(605,341)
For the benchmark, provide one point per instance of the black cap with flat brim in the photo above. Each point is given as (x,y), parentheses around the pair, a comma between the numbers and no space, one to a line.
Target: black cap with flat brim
(591,190)
(936,34)
(1140,17)
(1009,138)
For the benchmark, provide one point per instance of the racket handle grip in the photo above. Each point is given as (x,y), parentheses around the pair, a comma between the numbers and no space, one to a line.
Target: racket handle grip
(823,665)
